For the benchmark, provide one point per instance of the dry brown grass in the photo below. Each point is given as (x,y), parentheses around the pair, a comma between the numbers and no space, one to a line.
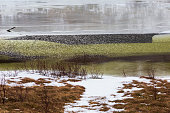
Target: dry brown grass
(120,91)
(154,97)
(11,81)
(26,80)
(41,81)
(104,108)
(118,106)
(74,80)
(38,99)
(98,104)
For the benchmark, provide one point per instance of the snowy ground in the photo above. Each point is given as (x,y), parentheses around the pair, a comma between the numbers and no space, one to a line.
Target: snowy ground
(102,90)
(18,75)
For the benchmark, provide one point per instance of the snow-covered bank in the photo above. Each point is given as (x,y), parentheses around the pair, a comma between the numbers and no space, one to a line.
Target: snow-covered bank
(16,76)
(102,91)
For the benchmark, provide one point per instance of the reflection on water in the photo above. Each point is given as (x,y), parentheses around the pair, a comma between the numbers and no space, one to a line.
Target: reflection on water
(84,16)
(114,68)
(137,68)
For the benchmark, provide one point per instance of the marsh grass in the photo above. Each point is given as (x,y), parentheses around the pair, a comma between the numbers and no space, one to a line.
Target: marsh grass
(55,69)
(60,70)
(37,99)
(152,98)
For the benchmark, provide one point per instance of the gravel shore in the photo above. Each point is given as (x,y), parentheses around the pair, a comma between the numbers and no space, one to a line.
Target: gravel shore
(91,39)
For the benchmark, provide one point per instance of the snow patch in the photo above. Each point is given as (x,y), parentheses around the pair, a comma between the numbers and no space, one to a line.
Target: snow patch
(18,75)
(105,88)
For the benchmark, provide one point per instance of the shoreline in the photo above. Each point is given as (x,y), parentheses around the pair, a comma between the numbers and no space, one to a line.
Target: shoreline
(91,38)
(14,57)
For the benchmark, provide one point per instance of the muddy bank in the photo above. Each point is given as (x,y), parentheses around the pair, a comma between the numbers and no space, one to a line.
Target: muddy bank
(91,38)
(84,59)
(16,57)
(12,60)
(101,59)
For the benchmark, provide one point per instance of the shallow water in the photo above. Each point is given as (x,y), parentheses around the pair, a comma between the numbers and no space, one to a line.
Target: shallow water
(114,68)
(134,68)
(84,16)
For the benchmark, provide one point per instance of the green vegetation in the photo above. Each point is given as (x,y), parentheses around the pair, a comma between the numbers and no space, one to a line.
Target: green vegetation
(63,51)
(161,38)
(3,57)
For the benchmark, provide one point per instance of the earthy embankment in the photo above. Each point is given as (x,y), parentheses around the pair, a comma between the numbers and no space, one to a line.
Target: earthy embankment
(91,58)
(92,39)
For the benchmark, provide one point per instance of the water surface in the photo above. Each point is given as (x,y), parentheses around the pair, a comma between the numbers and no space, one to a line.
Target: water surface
(114,68)
(84,16)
